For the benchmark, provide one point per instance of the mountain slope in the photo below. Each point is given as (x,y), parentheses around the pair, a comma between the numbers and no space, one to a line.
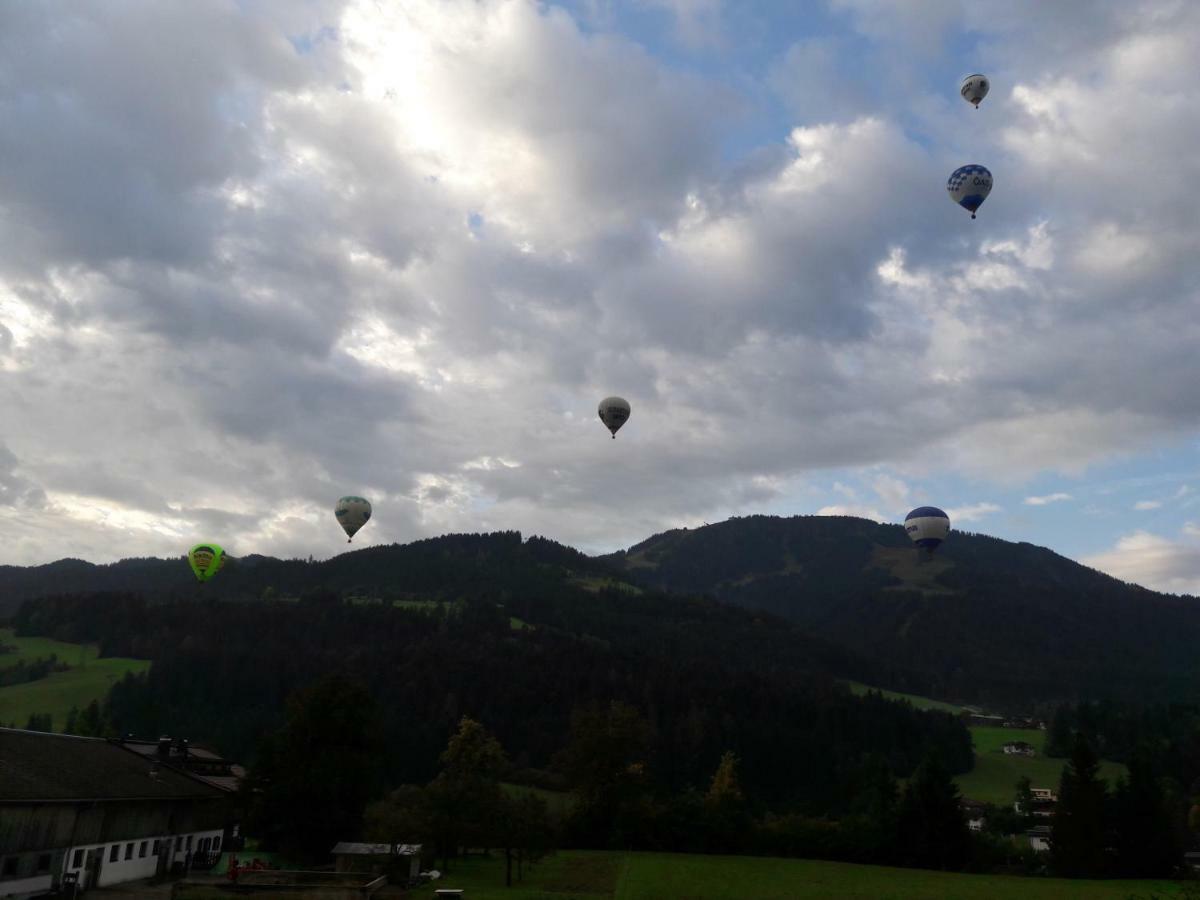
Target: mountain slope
(985,620)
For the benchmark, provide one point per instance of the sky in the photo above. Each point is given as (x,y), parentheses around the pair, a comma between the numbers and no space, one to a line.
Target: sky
(258,254)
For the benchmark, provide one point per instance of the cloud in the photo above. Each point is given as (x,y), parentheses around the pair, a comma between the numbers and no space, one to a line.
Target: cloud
(862,512)
(1143,505)
(1047,499)
(360,248)
(971,513)
(1154,561)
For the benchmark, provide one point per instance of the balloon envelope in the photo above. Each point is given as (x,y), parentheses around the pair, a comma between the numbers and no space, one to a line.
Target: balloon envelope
(614,412)
(206,560)
(974,88)
(352,514)
(927,526)
(969,186)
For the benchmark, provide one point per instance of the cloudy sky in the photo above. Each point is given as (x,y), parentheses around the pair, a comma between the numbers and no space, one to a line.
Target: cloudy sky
(256,255)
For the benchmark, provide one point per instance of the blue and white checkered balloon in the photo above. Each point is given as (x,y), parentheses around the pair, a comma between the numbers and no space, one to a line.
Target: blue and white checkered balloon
(969,186)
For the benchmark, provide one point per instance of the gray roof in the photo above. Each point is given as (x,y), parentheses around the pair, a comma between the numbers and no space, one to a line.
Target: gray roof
(35,766)
(350,848)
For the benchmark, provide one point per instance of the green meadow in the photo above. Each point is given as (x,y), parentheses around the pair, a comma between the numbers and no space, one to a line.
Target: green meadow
(89,678)
(671,876)
(994,778)
(859,689)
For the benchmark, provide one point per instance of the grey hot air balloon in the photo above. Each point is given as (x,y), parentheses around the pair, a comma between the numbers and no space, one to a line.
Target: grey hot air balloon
(614,412)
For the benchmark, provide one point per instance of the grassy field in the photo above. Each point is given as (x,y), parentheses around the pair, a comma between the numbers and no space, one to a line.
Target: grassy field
(650,876)
(89,678)
(669,876)
(995,775)
(859,689)
(572,875)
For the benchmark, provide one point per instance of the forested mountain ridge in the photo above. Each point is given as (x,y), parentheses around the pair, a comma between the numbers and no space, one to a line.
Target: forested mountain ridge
(984,620)
(426,569)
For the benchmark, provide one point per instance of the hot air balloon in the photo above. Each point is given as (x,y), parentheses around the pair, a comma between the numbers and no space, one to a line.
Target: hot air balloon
(614,412)
(969,186)
(974,88)
(206,561)
(352,514)
(927,526)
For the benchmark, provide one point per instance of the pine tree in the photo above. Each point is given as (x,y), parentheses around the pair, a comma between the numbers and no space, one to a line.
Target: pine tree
(1146,842)
(1077,842)
(932,831)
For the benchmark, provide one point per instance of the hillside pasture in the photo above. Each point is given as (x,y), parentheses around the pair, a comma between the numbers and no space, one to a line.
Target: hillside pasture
(89,678)
(994,778)
(859,689)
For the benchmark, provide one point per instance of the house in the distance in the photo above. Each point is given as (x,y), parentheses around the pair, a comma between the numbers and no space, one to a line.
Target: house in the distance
(1039,837)
(975,814)
(94,812)
(1019,748)
(1043,801)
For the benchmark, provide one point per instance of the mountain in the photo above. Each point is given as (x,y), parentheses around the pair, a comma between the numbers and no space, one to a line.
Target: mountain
(522,635)
(984,620)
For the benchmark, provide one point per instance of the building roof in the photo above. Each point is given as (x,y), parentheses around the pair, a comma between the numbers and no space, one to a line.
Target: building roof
(35,766)
(350,848)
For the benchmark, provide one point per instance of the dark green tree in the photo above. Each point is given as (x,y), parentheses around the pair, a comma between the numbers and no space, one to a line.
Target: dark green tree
(932,831)
(606,762)
(526,834)
(1078,839)
(465,799)
(40,722)
(1146,842)
(1060,735)
(316,774)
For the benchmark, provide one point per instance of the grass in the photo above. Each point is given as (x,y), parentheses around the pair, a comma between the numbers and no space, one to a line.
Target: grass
(89,678)
(859,689)
(994,778)
(573,875)
(593,875)
(650,876)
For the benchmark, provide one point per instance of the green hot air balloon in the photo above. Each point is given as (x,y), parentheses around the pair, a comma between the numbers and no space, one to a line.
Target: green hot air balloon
(206,561)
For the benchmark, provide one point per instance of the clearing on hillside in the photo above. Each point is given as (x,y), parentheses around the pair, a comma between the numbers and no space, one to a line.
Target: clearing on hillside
(89,678)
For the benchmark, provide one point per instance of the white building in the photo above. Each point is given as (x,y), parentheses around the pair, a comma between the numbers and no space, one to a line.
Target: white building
(94,811)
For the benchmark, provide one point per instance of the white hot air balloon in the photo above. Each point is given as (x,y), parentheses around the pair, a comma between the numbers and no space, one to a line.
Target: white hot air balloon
(974,88)
(927,526)
(614,412)
(969,186)
(352,514)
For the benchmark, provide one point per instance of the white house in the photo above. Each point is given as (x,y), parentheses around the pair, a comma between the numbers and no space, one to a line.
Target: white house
(1039,838)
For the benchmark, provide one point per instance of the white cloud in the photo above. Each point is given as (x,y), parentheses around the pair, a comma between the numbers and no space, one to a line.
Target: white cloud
(862,512)
(1143,505)
(409,260)
(971,513)
(1047,499)
(1154,561)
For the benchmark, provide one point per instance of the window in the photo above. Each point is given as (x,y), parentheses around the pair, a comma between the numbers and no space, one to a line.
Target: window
(77,861)
(216,844)
(129,850)
(114,852)
(178,843)
(142,849)
(189,843)
(157,848)
(10,867)
(43,865)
